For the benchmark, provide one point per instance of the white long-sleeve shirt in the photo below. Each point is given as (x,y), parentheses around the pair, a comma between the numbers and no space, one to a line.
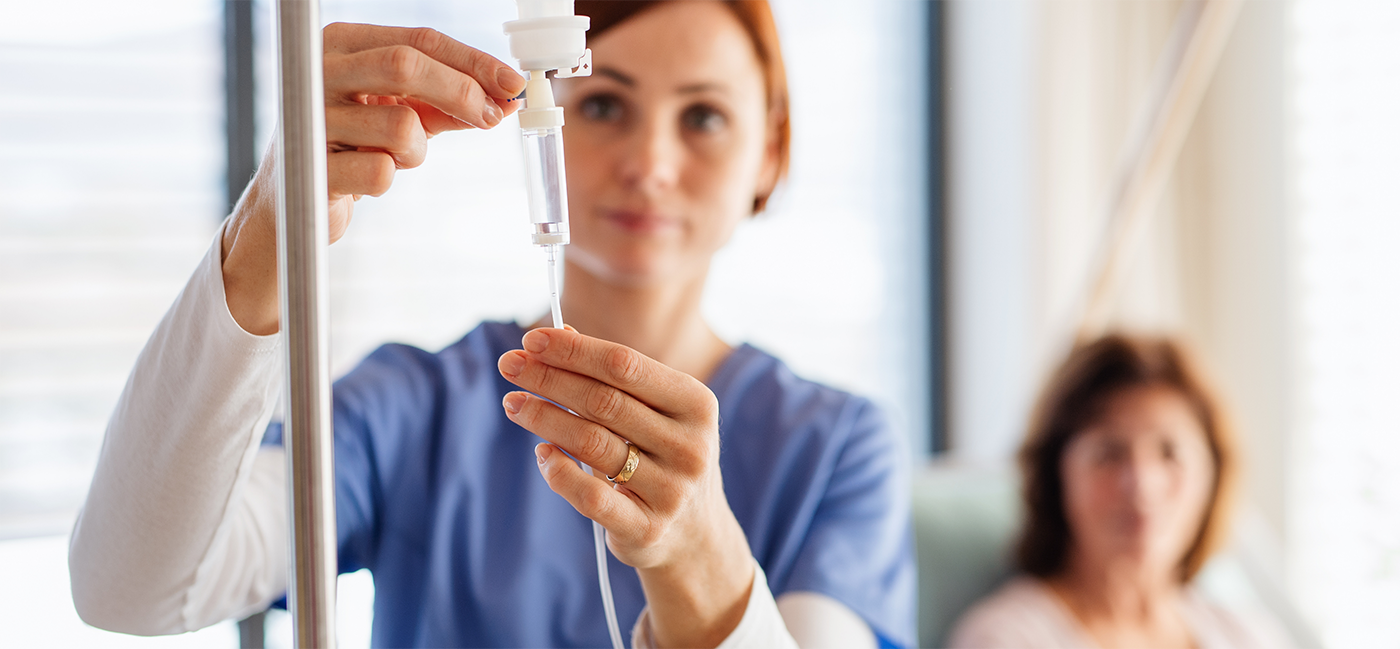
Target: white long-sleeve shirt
(186,524)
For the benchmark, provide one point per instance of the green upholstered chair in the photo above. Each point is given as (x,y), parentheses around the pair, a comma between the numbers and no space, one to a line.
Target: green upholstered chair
(965,521)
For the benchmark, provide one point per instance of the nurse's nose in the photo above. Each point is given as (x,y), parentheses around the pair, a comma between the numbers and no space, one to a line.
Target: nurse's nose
(653,156)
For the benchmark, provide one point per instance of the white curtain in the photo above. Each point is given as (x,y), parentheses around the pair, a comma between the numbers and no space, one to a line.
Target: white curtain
(1097,66)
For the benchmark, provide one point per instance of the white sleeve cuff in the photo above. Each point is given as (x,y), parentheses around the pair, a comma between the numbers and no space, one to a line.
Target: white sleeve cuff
(761,626)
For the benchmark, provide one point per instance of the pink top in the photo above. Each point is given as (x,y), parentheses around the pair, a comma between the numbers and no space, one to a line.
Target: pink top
(1026,614)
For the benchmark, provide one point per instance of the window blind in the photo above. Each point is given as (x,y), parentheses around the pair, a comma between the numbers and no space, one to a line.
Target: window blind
(111,164)
(111,155)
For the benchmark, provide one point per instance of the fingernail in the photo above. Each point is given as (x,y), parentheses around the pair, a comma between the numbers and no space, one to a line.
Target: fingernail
(492,114)
(513,402)
(511,364)
(509,79)
(536,341)
(542,453)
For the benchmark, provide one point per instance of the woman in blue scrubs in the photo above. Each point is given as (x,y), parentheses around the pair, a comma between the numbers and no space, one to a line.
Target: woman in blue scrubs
(679,135)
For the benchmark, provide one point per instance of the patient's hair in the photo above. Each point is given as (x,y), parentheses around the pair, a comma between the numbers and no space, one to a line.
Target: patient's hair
(757,18)
(1073,400)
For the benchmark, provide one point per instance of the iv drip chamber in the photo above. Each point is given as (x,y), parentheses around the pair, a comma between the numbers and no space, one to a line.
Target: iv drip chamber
(548,36)
(545,186)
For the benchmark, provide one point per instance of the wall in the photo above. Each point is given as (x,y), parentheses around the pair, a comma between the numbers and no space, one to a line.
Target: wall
(990,222)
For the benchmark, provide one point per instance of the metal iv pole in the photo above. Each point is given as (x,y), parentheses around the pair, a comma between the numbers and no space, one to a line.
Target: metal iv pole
(302,238)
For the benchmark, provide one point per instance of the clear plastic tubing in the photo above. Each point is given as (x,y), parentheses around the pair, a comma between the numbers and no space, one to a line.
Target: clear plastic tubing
(600,551)
(553,251)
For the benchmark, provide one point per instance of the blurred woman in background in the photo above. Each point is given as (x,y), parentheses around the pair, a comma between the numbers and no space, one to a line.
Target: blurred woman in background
(1129,472)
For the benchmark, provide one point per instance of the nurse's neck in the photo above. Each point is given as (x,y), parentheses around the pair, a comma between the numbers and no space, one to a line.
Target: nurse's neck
(661,321)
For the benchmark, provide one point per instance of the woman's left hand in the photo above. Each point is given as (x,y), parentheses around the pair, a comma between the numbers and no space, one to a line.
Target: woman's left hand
(671,520)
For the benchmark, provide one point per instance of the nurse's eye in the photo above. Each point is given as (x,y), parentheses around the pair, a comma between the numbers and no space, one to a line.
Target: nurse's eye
(703,118)
(601,108)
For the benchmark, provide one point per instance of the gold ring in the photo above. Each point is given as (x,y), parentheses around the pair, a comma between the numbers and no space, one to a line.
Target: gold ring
(633,459)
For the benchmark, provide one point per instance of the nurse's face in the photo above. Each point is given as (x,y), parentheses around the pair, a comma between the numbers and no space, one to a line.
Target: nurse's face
(1137,482)
(666,144)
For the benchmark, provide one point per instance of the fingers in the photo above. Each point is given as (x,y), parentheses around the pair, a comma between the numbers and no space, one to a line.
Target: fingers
(402,71)
(388,89)
(358,173)
(496,78)
(616,509)
(590,443)
(435,121)
(394,129)
(673,393)
(591,399)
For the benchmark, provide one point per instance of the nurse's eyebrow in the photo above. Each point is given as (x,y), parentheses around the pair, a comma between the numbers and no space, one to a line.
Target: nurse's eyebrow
(616,76)
(702,87)
(624,79)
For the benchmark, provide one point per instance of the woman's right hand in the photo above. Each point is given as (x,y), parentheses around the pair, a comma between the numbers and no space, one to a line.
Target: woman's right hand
(388,89)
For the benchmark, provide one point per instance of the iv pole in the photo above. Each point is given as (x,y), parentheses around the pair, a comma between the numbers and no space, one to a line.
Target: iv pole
(303,237)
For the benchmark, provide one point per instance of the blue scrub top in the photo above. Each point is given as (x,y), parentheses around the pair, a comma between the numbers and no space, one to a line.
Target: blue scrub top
(438,495)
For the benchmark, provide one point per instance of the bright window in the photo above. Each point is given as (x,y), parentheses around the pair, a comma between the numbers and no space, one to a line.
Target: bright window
(111,155)
(111,163)
(1346,532)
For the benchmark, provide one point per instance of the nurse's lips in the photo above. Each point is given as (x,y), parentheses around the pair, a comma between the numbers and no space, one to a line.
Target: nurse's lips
(640,222)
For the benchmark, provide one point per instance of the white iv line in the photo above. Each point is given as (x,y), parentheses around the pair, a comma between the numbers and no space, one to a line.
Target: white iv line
(548,36)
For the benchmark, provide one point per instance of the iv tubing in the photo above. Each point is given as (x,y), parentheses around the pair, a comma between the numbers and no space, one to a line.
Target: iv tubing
(600,545)
(554,310)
